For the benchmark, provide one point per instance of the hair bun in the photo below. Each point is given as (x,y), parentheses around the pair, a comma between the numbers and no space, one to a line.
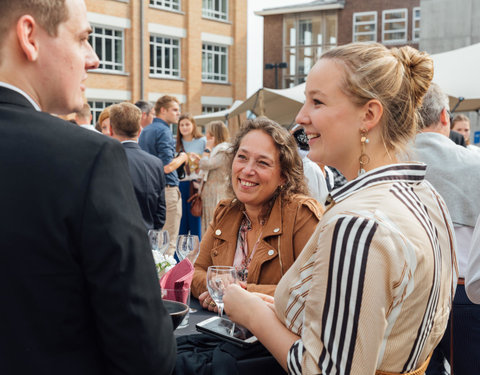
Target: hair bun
(418,67)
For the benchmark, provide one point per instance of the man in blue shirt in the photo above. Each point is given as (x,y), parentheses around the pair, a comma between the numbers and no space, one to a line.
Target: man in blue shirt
(157,140)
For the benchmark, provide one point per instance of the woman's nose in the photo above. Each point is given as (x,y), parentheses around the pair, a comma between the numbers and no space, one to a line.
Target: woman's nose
(302,117)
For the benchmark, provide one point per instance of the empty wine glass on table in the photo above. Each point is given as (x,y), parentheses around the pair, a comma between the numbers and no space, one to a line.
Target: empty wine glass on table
(188,246)
(159,240)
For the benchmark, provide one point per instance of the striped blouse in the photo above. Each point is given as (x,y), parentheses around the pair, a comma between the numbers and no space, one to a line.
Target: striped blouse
(373,287)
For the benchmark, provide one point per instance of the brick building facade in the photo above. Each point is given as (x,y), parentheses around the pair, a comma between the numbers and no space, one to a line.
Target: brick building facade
(298,34)
(191,49)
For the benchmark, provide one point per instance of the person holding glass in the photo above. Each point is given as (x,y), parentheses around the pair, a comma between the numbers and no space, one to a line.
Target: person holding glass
(191,141)
(372,290)
(215,164)
(265,227)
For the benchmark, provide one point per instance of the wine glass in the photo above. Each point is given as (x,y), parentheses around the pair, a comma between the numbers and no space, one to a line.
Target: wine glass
(218,278)
(159,240)
(187,247)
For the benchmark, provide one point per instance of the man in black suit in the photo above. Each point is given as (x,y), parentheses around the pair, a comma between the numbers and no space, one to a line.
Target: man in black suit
(78,285)
(146,170)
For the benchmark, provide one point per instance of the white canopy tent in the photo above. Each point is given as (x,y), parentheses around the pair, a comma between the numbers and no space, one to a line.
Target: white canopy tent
(457,72)
(281,106)
(217,116)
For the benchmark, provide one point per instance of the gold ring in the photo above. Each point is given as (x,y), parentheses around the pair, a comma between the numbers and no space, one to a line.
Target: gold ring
(212,304)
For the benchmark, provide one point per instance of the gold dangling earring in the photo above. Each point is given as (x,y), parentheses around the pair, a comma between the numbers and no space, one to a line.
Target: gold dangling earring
(364,159)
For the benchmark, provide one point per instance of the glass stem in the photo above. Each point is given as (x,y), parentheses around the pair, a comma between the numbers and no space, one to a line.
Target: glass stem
(220,309)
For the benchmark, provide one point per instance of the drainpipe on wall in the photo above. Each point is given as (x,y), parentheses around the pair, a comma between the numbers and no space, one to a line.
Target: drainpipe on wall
(142,83)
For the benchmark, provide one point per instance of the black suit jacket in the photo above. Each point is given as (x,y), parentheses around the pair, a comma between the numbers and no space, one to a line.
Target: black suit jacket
(458,138)
(78,287)
(148,180)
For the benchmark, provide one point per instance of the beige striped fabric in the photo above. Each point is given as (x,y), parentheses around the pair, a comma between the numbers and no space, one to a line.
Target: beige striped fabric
(372,289)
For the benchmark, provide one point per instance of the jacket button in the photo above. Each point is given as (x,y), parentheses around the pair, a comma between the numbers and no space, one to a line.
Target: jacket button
(271,252)
(218,232)
(276,230)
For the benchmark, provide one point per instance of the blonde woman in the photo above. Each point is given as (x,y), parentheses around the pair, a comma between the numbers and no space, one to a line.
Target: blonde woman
(371,291)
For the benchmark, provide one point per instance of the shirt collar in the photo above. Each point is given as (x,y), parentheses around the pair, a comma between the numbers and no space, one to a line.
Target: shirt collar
(21,92)
(158,119)
(402,172)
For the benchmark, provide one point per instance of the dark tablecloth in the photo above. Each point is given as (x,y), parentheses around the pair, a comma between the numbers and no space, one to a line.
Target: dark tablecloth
(202,354)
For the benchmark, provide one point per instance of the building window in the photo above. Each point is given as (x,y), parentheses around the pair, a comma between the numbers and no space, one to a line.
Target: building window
(306,38)
(109,46)
(164,56)
(97,106)
(215,9)
(394,25)
(211,108)
(365,27)
(214,63)
(416,24)
(166,4)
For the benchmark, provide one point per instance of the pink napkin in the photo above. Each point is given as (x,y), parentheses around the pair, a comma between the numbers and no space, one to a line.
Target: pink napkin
(178,281)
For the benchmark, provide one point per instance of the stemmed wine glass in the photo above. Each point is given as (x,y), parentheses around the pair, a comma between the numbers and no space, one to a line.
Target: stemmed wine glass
(159,240)
(218,278)
(187,247)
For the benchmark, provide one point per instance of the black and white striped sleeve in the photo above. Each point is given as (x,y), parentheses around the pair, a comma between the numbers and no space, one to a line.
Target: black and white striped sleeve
(294,358)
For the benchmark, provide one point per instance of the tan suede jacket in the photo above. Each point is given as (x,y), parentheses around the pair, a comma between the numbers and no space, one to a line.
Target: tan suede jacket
(285,233)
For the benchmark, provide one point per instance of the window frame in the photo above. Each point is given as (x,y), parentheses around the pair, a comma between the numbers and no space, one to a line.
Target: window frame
(97,110)
(214,53)
(298,49)
(162,4)
(414,19)
(212,108)
(355,23)
(215,14)
(404,30)
(156,69)
(102,38)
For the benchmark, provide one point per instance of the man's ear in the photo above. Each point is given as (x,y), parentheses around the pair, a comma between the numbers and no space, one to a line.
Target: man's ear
(373,112)
(27,32)
(445,117)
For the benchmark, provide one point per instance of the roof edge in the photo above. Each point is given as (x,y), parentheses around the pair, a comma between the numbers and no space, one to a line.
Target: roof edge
(311,8)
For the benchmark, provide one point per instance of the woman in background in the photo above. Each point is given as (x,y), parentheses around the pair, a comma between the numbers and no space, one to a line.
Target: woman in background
(191,141)
(461,124)
(215,165)
(103,122)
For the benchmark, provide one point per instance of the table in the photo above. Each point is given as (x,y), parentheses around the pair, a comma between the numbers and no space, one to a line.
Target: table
(194,318)
(252,366)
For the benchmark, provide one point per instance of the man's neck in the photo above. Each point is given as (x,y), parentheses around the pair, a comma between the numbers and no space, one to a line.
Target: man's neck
(164,120)
(123,139)
(435,128)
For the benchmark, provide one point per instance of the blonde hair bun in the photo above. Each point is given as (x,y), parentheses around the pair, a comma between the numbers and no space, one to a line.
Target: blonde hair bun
(418,67)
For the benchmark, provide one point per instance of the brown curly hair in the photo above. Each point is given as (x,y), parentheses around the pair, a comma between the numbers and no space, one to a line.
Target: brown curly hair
(291,165)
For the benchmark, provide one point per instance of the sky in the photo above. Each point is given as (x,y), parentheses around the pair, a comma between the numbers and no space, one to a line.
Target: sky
(255,40)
